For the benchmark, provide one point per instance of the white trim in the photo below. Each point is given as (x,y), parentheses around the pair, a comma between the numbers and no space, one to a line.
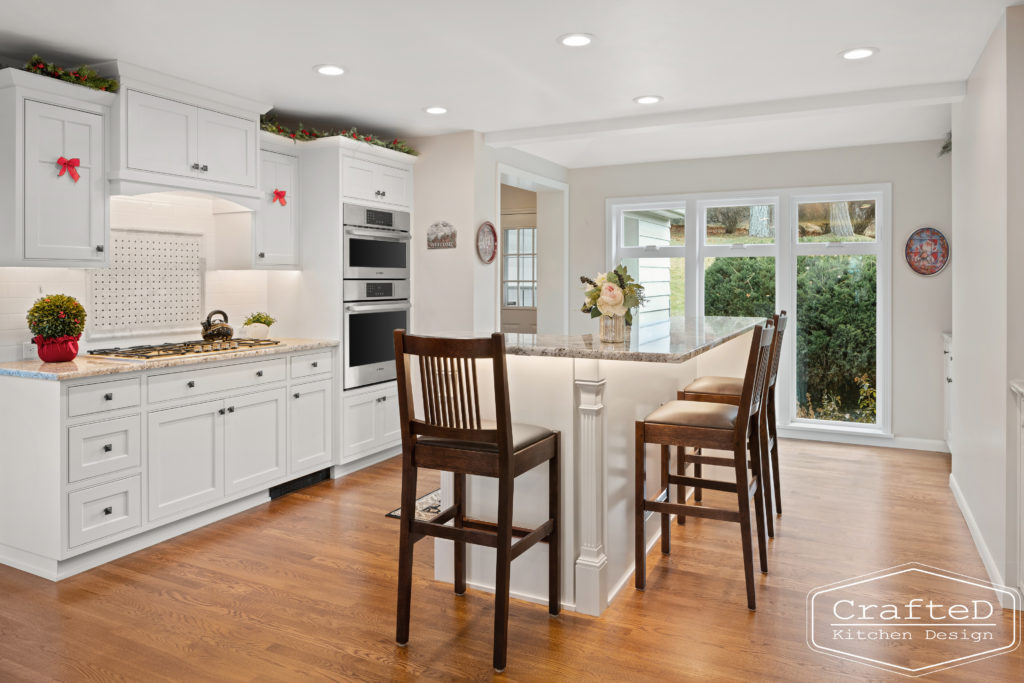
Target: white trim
(862,438)
(994,575)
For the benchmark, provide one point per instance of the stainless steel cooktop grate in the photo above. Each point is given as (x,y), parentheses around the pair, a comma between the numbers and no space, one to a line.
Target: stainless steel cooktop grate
(188,348)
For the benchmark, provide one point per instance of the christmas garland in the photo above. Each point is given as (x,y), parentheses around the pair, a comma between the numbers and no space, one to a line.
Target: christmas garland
(271,125)
(83,75)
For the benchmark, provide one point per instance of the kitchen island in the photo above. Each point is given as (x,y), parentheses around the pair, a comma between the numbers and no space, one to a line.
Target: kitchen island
(592,392)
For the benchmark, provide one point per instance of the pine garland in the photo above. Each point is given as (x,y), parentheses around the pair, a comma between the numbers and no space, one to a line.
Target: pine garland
(271,125)
(83,75)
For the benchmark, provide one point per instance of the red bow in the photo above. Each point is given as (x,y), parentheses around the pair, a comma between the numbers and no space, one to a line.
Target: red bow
(69,165)
(279,197)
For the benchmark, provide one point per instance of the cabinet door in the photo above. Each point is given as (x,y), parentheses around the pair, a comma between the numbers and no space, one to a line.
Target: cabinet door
(227,148)
(394,185)
(162,135)
(254,440)
(186,458)
(309,426)
(358,179)
(277,235)
(360,426)
(388,420)
(64,219)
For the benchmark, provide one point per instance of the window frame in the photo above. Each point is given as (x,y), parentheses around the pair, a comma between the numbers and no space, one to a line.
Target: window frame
(785,250)
(505,282)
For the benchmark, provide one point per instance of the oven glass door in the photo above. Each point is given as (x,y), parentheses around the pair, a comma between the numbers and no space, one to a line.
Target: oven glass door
(370,343)
(368,254)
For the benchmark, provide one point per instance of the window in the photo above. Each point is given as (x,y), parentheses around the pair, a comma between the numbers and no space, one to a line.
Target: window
(822,254)
(519,269)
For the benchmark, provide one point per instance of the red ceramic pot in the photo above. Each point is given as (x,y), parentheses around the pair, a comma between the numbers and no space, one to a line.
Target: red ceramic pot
(57,349)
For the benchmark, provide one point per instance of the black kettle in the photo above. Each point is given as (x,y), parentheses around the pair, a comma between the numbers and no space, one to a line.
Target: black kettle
(217,330)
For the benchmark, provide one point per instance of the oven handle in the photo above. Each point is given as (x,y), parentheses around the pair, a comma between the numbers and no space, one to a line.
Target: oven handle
(373,308)
(379,234)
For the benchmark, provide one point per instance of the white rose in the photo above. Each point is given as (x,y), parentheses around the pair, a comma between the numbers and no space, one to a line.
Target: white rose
(601,279)
(610,301)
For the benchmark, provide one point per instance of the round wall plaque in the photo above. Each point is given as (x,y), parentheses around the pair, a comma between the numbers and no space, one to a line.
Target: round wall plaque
(927,251)
(486,242)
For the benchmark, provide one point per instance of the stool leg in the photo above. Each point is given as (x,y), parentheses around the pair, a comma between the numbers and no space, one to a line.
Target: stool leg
(763,519)
(502,572)
(698,493)
(640,476)
(405,547)
(681,488)
(773,432)
(740,457)
(554,540)
(460,546)
(764,476)
(666,521)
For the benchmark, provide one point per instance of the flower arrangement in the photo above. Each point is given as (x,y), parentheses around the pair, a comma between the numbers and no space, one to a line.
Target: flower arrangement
(83,75)
(613,294)
(260,318)
(303,133)
(257,325)
(57,321)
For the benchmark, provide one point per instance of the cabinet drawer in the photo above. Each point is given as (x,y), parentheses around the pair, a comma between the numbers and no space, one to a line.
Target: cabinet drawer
(103,510)
(312,364)
(98,398)
(201,381)
(104,447)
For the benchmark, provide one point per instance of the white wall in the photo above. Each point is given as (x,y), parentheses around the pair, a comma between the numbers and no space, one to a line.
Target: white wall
(921,197)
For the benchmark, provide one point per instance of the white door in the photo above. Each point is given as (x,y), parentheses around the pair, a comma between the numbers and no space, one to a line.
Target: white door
(388,419)
(394,185)
(186,458)
(277,232)
(361,433)
(227,148)
(254,440)
(359,179)
(64,219)
(162,135)
(309,426)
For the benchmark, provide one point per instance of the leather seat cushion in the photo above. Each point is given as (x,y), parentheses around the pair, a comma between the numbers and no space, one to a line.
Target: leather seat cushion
(695,414)
(523,435)
(722,386)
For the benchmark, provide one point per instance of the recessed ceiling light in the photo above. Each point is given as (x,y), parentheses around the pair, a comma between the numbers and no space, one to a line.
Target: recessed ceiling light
(647,99)
(436,110)
(575,39)
(328,70)
(858,53)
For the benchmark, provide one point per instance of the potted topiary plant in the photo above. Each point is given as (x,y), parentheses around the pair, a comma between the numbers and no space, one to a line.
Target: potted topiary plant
(57,322)
(257,325)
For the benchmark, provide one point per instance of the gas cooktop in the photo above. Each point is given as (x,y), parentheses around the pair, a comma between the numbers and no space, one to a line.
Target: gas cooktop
(178,349)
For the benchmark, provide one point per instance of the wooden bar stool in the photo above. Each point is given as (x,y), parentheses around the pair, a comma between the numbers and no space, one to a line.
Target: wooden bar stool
(728,390)
(702,424)
(450,436)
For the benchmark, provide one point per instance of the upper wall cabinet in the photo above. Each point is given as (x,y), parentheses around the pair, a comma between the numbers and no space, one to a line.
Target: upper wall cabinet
(53,190)
(277,221)
(179,135)
(377,182)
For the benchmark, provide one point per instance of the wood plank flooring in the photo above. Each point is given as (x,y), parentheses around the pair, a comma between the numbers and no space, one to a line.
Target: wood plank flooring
(303,588)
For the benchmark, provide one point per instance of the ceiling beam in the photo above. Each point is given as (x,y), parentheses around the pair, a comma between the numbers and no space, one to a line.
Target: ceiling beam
(909,96)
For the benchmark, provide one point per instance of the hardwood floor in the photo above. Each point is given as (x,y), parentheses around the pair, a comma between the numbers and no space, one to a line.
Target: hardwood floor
(304,588)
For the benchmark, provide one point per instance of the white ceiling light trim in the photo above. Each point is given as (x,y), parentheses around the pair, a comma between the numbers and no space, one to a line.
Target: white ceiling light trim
(576,39)
(647,99)
(856,53)
(437,111)
(328,70)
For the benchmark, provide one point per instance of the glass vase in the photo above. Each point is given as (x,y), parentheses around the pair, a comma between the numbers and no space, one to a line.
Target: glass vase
(612,329)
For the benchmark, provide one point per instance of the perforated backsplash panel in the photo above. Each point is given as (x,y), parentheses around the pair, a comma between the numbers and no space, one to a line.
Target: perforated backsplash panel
(154,284)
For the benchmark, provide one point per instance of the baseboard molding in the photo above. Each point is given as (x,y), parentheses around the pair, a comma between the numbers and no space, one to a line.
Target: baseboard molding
(994,575)
(519,595)
(881,440)
(372,459)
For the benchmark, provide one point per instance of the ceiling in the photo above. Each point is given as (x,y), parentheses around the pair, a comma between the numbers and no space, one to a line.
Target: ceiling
(497,66)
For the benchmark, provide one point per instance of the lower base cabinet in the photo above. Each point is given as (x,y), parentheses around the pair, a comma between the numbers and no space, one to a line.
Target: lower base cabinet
(186,458)
(254,440)
(309,425)
(371,421)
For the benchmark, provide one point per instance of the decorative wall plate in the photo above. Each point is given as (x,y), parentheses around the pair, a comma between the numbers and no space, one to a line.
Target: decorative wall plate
(486,242)
(927,251)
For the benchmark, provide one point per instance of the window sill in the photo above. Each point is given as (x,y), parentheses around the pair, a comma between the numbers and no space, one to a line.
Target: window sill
(841,433)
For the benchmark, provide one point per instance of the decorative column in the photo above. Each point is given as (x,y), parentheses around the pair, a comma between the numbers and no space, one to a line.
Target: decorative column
(592,505)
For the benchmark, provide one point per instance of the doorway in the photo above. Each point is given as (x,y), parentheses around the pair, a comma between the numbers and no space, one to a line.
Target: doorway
(519,260)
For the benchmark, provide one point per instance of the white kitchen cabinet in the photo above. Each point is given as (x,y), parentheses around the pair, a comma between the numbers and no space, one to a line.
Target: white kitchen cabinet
(371,421)
(310,416)
(254,440)
(228,148)
(277,224)
(49,219)
(185,458)
(376,182)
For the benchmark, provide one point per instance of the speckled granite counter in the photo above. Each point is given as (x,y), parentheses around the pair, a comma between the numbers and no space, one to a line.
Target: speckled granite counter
(673,341)
(89,366)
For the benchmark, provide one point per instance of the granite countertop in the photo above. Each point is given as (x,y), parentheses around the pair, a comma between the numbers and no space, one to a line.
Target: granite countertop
(674,340)
(91,366)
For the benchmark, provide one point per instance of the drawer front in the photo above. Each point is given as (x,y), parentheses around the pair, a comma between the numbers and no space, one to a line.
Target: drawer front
(104,510)
(312,364)
(88,399)
(201,381)
(104,447)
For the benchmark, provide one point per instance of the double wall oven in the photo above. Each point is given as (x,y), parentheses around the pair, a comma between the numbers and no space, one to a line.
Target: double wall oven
(375,291)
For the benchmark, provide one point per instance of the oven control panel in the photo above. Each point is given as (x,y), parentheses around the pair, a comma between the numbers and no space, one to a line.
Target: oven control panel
(372,290)
(380,290)
(382,219)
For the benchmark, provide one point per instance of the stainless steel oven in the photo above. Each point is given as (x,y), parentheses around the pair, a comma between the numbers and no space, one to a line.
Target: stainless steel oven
(376,243)
(373,310)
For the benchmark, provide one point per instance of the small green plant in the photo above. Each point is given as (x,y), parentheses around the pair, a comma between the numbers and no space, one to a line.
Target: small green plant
(261,318)
(56,315)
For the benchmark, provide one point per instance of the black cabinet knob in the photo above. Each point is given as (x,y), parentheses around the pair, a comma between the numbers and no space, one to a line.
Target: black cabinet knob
(204,167)
(195,167)
(108,397)
(221,411)
(296,394)
(231,409)
(100,248)
(383,193)
(107,448)
(259,373)
(316,364)
(108,510)
(191,384)
(262,254)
